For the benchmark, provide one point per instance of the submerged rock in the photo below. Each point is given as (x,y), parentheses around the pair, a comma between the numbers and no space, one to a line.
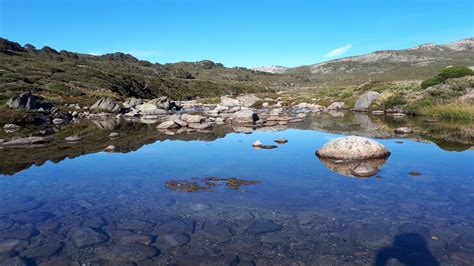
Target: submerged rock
(130,252)
(352,148)
(262,227)
(281,141)
(173,240)
(84,237)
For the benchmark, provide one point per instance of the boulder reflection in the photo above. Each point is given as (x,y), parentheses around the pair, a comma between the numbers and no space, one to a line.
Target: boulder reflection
(350,168)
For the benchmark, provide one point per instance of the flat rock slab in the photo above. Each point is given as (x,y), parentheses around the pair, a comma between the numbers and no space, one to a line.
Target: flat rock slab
(262,227)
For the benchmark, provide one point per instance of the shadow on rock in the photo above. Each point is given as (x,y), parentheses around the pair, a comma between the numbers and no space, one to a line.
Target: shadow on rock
(408,249)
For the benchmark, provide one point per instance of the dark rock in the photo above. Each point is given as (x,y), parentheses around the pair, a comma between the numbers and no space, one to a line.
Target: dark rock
(414,173)
(25,100)
(262,227)
(12,244)
(281,141)
(31,217)
(19,233)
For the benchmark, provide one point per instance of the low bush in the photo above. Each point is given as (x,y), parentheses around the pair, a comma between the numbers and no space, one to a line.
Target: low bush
(447,73)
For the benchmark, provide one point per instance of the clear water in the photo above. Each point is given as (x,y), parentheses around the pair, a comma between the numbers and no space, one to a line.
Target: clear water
(300,212)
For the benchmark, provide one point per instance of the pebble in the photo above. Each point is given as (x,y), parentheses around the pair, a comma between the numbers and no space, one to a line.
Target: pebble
(262,227)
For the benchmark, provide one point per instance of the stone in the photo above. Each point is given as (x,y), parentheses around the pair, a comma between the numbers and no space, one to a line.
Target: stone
(132,103)
(183,226)
(257,143)
(59,121)
(146,107)
(378,112)
(200,126)
(245,116)
(130,252)
(24,100)
(229,102)
(27,141)
(126,237)
(353,148)
(72,139)
(110,148)
(414,173)
(11,244)
(192,118)
(180,122)
(336,106)
(11,127)
(114,135)
(85,237)
(173,240)
(365,100)
(403,130)
(281,141)
(168,125)
(248,100)
(364,170)
(262,227)
(106,104)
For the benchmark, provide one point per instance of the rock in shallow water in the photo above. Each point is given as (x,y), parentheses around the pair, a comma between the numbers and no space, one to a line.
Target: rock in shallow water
(84,237)
(173,240)
(131,252)
(262,227)
(353,148)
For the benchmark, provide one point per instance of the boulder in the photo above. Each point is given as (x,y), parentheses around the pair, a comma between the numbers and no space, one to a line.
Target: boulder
(229,102)
(110,148)
(168,125)
(132,103)
(25,100)
(336,106)
(114,135)
(248,100)
(72,139)
(11,127)
(365,100)
(403,130)
(106,104)
(353,148)
(192,118)
(245,116)
(200,126)
(365,169)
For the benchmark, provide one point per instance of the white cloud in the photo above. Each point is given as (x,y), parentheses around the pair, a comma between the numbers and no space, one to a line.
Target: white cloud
(339,51)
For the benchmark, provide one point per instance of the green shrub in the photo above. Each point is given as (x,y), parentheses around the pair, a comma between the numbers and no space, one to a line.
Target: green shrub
(447,73)
(455,72)
(345,94)
(393,101)
(432,81)
(63,88)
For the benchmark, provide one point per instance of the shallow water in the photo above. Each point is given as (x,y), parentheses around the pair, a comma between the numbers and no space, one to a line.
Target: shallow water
(105,208)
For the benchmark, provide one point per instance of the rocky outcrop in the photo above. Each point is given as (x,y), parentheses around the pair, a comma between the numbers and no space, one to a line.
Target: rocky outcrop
(132,103)
(365,100)
(28,101)
(106,104)
(352,148)
(229,102)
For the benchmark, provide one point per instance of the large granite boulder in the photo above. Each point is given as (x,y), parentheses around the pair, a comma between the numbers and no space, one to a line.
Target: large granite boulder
(336,106)
(229,102)
(106,104)
(245,116)
(132,103)
(353,148)
(247,100)
(25,100)
(365,100)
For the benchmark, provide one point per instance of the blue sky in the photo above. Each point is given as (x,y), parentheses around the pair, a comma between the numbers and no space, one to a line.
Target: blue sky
(235,32)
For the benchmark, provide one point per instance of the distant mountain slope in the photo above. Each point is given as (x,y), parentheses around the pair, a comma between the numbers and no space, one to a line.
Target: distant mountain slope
(59,74)
(272,69)
(414,63)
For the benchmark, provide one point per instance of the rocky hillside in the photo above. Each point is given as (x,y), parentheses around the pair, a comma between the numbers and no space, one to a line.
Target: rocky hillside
(272,69)
(61,75)
(416,63)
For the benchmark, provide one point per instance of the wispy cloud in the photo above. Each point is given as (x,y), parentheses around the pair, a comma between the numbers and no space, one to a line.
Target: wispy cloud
(339,51)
